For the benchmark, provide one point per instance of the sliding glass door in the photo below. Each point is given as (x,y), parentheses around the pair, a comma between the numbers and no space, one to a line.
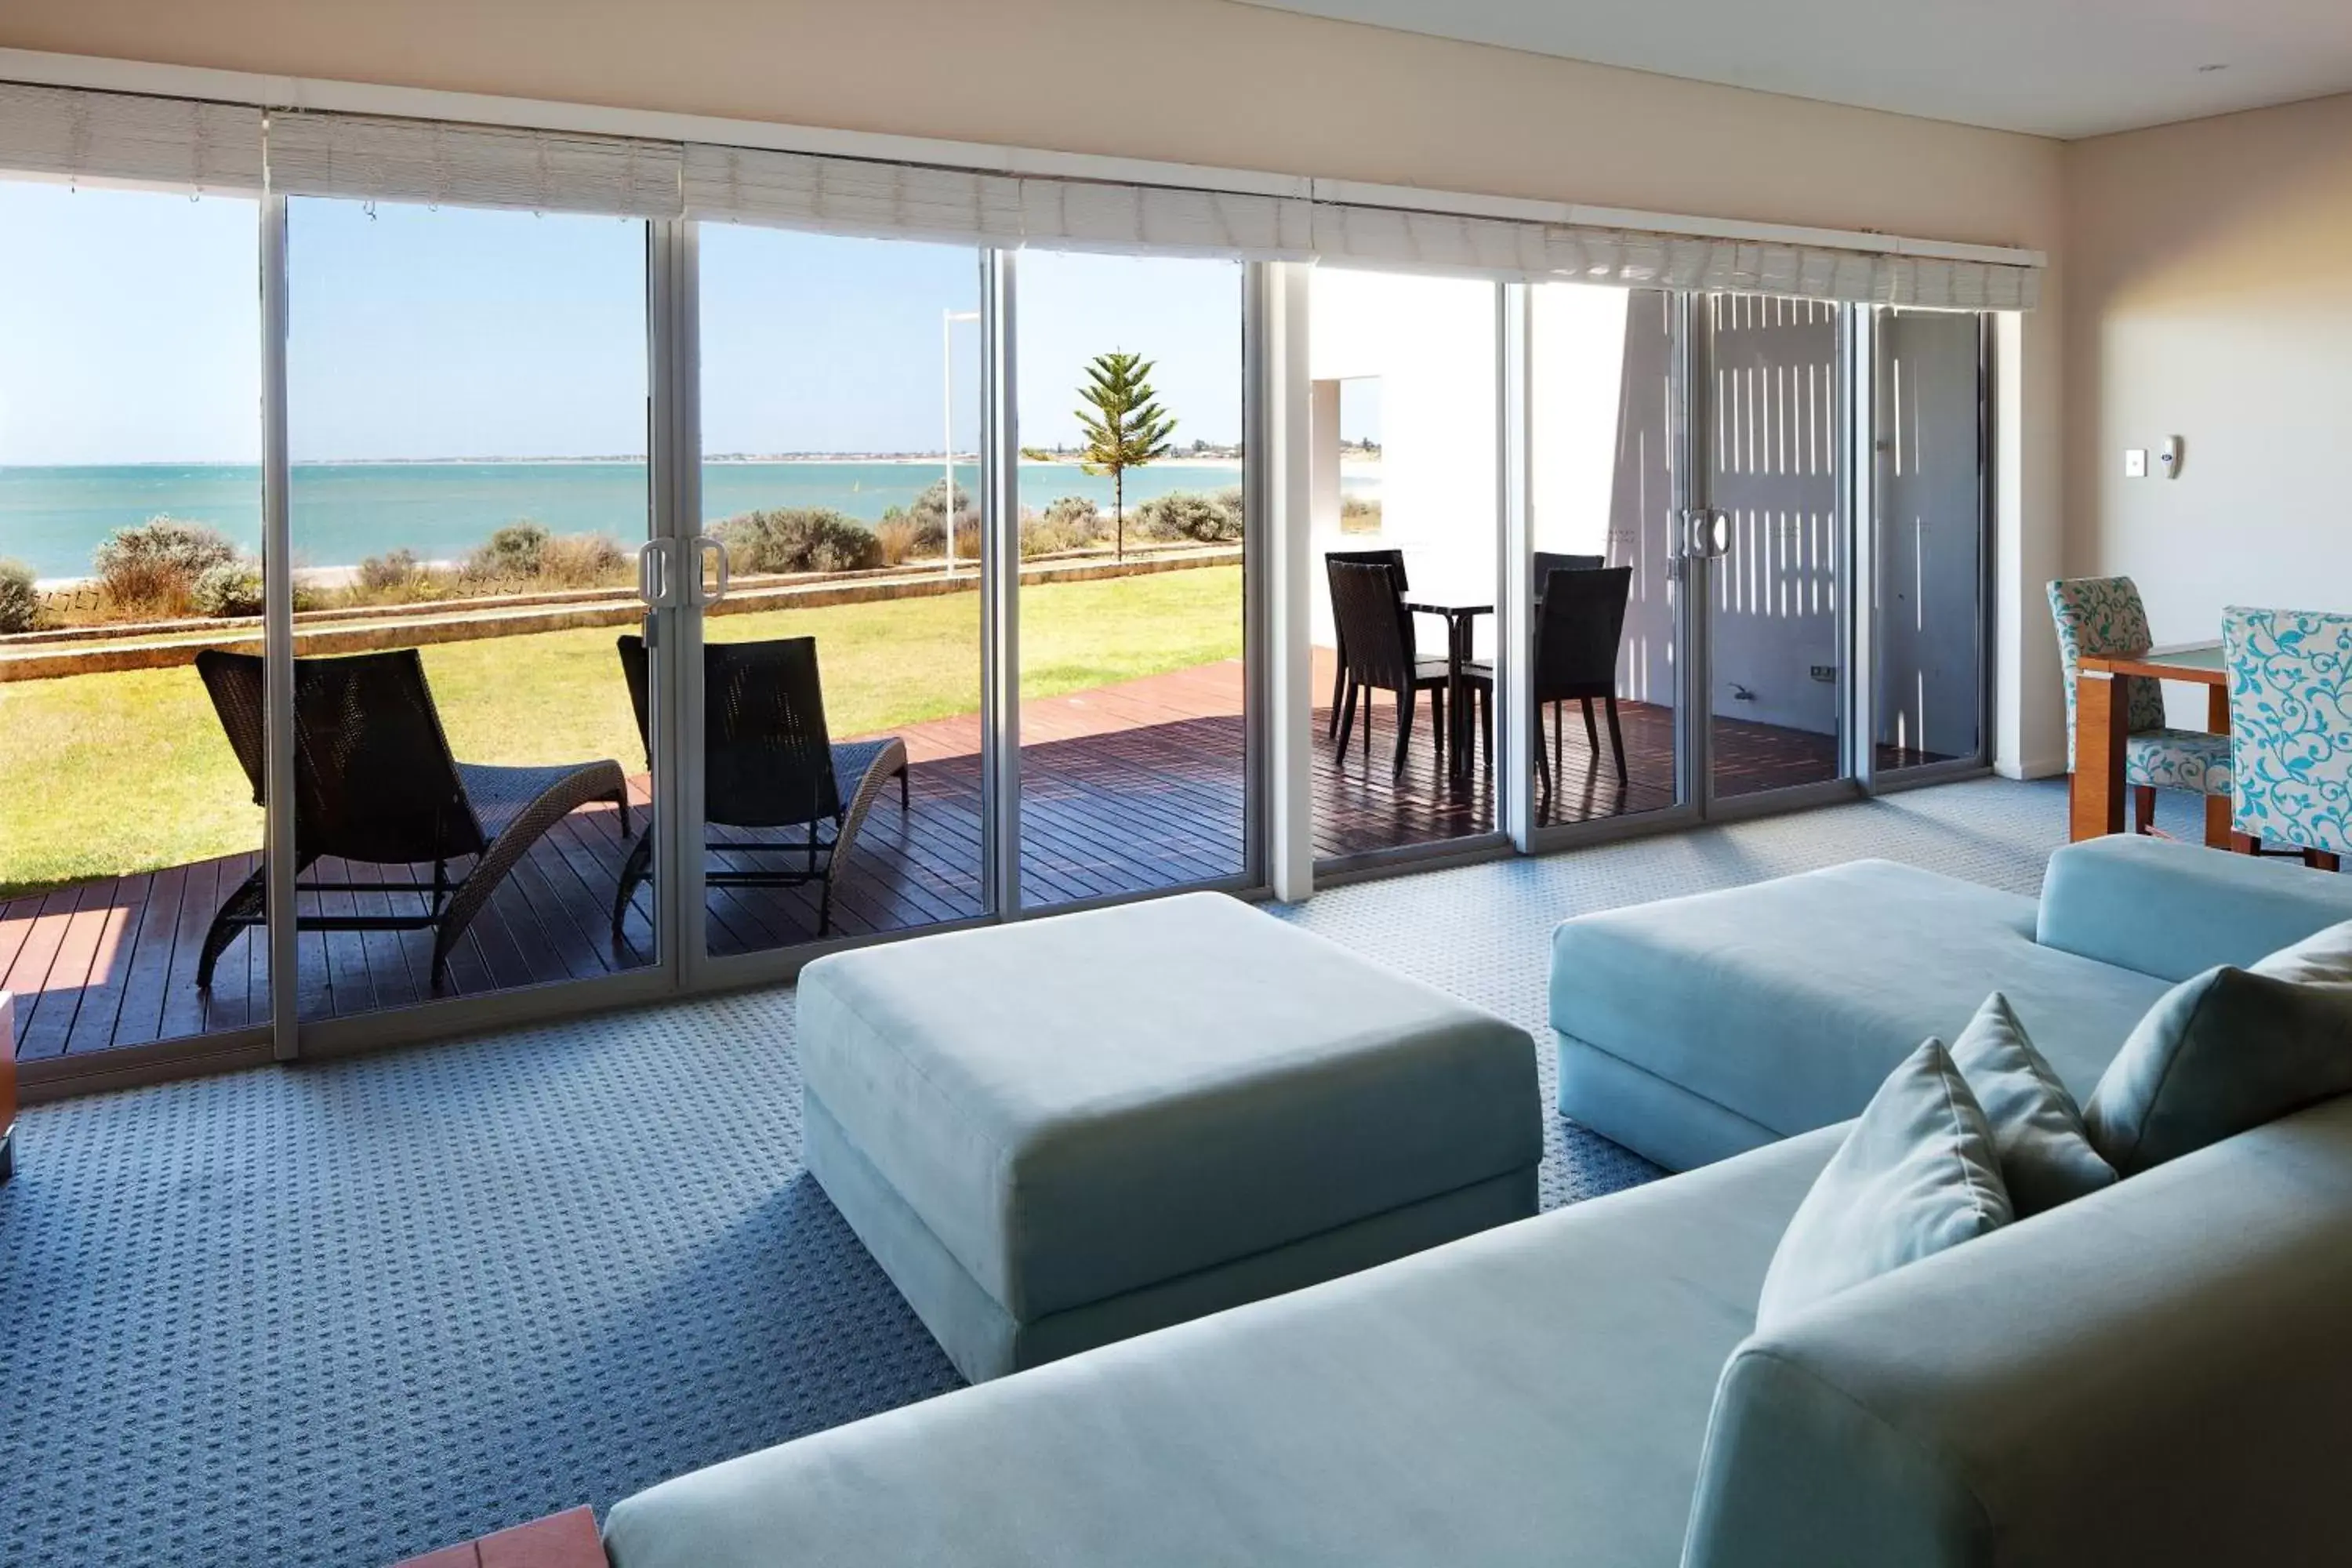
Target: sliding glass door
(1135,754)
(1926,542)
(841,775)
(130,837)
(1604,597)
(465,397)
(1406,562)
(1769,532)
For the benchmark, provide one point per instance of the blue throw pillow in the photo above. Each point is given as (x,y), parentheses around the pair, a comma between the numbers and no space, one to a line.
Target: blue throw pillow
(2225,1051)
(1917,1173)
(2046,1158)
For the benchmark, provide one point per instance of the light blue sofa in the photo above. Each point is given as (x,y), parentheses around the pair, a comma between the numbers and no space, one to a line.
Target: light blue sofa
(2152,1375)
(1695,1029)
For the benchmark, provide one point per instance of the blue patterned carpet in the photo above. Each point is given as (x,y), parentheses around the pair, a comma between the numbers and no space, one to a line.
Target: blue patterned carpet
(344,1313)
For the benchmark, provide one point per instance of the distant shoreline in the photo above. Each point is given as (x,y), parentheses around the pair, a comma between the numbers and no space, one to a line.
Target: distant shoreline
(724,460)
(54,518)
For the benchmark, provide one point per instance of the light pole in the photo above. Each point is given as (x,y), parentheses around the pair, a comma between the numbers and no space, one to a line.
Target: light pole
(947,319)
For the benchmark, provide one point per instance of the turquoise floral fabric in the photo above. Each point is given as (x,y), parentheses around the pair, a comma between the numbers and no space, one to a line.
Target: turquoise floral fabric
(2291,726)
(2179,759)
(2105,615)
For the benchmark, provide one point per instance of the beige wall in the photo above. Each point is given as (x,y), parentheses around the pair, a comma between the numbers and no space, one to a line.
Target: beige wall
(2210,289)
(1208,81)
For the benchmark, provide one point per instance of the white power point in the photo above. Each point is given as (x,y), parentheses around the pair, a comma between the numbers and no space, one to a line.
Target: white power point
(2136,463)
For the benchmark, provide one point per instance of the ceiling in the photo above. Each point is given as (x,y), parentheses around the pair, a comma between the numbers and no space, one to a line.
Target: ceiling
(2052,68)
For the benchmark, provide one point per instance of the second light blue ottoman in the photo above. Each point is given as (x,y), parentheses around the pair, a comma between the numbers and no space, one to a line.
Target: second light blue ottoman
(1060,1132)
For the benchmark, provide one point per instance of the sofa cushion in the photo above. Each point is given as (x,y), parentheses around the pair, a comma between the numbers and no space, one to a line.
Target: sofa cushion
(2046,1158)
(2220,1054)
(2153,1376)
(2175,910)
(1084,1105)
(1533,1396)
(1786,1002)
(1917,1174)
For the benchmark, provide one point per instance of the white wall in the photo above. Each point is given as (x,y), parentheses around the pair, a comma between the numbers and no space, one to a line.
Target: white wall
(2212,292)
(1431,344)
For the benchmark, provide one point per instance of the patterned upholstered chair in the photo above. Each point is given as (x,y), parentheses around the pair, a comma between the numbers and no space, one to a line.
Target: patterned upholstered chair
(2291,729)
(2104,615)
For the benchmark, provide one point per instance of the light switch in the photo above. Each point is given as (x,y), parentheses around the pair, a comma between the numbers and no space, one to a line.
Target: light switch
(2136,463)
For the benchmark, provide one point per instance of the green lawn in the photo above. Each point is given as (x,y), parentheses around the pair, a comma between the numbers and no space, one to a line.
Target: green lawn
(111,774)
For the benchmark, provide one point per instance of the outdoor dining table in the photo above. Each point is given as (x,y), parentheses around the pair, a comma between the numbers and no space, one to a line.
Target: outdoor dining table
(1460,613)
(2095,805)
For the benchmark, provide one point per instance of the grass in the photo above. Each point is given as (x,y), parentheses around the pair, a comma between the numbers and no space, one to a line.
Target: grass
(107,775)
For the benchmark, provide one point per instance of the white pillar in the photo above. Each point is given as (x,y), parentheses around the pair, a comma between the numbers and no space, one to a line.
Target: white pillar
(1282,455)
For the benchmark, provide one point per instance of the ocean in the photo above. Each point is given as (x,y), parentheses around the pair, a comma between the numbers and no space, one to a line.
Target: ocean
(52,519)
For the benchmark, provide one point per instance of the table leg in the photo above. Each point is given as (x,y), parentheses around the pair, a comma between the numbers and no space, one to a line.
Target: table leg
(1456,655)
(2218,812)
(2096,795)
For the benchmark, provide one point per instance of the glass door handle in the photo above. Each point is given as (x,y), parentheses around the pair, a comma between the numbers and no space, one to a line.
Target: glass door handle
(1704,535)
(657,583)
(709,543)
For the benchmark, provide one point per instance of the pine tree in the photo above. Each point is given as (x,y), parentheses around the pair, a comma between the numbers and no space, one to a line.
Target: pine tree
(1125,427)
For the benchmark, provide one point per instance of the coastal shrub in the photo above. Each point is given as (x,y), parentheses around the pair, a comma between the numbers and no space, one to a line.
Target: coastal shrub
(394,572)
(928,517)
(1358,514)
(20,603)
(1190,516)
(230,588)
(154,564)
(894,537)
(510,553)
(799,539)
(581,560)
(1073,522)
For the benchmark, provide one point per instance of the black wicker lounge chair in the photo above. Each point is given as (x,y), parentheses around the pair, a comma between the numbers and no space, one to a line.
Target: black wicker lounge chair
(769,763)
(374,781)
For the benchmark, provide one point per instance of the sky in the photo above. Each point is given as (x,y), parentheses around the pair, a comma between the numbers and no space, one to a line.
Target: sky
(130,332)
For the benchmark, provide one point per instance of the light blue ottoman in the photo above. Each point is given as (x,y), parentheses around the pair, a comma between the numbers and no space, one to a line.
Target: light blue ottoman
(1060,1132)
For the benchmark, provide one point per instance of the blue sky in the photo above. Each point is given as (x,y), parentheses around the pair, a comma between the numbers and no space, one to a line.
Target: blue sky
(129,330)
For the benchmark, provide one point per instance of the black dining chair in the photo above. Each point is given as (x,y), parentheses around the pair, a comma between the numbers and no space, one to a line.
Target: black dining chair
(1576,638)
(769,763)
(1549,561)
(1375,631)
(1394,561)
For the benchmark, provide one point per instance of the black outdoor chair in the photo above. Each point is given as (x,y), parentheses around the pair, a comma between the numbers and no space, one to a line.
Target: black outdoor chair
(1375,635)
(374,783)
(1549,561)
(1394,561)
(769,763)
(1576,637)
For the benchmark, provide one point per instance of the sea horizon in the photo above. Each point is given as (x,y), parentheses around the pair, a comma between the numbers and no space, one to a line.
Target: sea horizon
(53,518)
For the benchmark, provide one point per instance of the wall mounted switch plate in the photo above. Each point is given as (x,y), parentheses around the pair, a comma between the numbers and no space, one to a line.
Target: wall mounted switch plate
(2136,463)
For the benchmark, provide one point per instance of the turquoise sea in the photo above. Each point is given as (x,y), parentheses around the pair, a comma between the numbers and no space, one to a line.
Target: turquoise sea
(52,519)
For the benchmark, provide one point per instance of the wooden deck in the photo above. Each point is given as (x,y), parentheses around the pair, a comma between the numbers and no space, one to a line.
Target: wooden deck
(1126,789)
